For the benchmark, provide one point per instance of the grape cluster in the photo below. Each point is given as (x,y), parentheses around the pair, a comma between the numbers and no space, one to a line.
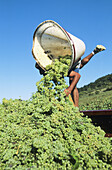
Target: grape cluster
(48,132)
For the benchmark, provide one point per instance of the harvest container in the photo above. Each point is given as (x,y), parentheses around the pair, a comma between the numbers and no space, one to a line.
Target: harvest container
(50,41)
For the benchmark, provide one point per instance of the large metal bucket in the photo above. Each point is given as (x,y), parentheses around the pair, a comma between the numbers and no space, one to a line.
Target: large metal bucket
(50,41)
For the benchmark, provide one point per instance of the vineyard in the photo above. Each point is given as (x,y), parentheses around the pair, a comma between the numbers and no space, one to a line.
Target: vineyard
(97,95)
(96,102)
(47,132)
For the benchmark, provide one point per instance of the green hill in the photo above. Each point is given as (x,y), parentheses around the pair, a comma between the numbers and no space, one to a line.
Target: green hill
(97,95)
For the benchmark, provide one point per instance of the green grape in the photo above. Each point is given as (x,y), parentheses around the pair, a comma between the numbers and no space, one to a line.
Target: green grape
(48,132)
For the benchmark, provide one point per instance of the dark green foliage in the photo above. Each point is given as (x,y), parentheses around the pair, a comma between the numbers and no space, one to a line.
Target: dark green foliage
(97,95)
(102,84)
(48,132)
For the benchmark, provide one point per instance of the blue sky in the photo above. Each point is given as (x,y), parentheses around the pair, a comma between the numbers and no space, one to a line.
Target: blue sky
(91,21)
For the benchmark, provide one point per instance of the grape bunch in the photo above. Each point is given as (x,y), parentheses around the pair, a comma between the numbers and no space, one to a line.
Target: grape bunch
(47,132)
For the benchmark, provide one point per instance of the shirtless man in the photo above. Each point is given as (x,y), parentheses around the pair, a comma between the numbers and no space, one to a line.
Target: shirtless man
(74,75)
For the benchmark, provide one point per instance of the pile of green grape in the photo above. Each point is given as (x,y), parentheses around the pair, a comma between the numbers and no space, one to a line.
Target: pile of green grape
(48,132)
